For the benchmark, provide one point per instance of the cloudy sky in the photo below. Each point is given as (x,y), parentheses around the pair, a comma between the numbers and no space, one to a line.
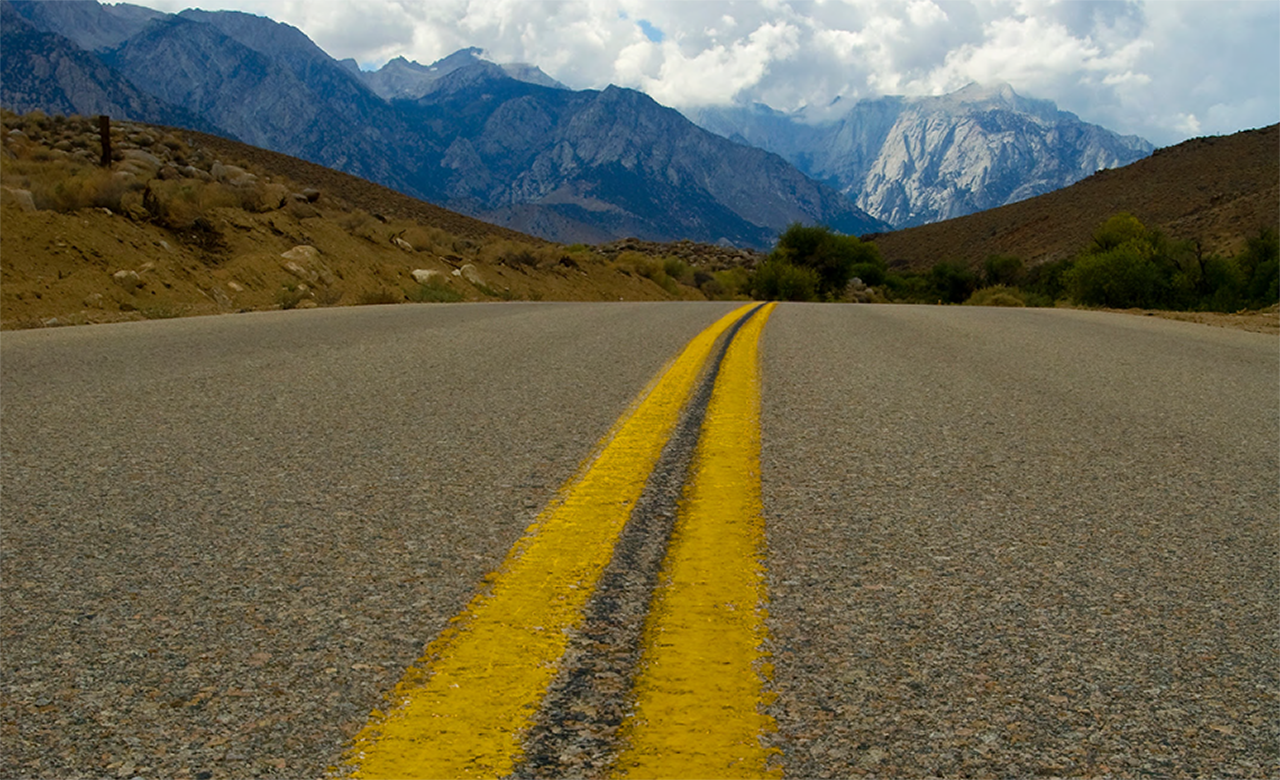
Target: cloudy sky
(1164,70)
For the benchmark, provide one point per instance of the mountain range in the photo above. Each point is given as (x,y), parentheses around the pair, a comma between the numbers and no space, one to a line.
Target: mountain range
(911,161)
(510,145)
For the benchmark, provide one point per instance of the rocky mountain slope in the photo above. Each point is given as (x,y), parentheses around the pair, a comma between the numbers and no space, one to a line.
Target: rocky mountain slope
(403,79)
(608,163)
(565,165)
(47,71)
(1216,191)
(910,161)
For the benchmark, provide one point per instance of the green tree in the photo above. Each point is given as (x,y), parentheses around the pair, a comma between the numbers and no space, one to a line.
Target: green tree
(778,280)
(1260,264)
(952,282)
(1002,270)
(1128,265)
(835,257)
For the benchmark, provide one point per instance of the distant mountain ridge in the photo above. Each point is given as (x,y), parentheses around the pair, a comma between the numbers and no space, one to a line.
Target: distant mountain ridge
(504,143)
(509,144)
(47,71)
(911,161)
(403,79)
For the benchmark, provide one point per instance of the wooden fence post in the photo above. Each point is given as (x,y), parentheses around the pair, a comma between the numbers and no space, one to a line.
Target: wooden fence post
(104,131)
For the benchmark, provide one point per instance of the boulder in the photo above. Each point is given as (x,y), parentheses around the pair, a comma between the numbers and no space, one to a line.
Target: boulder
(273,196)
(128,280)
(425,275)
(469,273)
(304,274)
(401,243)
(143,159)
(21,197)
(231,174)
(303,253)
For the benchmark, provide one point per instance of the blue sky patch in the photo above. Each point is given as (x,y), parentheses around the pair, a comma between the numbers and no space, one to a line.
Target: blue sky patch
(650,32)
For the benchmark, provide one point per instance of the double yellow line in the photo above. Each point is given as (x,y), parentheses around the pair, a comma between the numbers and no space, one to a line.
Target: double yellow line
(463,709)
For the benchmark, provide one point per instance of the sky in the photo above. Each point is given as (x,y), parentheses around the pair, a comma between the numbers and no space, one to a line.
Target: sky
(1163,70)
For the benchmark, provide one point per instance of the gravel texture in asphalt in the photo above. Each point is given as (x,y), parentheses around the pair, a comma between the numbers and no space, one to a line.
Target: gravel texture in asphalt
(1008,543)
(1001,542)
(224,539)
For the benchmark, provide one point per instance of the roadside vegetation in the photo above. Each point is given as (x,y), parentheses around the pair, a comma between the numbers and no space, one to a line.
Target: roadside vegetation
(1126,265)
(171,228)
(813,263)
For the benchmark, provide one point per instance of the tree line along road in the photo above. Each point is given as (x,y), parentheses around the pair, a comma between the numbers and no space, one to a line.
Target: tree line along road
(982,542)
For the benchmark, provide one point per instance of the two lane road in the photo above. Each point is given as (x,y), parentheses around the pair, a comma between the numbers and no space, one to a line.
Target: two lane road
(995,542)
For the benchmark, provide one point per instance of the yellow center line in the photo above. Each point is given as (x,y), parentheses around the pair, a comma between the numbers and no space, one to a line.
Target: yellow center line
(700,690)
(463,708)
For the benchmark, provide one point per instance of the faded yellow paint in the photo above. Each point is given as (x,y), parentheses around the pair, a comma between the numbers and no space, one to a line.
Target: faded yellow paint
(464,707)
(700,692)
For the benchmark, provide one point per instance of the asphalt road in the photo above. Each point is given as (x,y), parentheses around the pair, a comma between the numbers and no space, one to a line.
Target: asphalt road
(1000,542)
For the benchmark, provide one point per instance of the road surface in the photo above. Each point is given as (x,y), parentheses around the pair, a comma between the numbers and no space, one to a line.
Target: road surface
(994,542)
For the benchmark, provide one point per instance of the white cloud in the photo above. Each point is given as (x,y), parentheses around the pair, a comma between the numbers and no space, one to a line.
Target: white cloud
(1157,68)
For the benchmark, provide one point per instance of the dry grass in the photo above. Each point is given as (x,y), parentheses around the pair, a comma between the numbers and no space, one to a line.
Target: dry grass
(200,226)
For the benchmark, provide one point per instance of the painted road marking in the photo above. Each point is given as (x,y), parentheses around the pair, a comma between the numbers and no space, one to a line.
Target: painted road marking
(462,709)
(700,691)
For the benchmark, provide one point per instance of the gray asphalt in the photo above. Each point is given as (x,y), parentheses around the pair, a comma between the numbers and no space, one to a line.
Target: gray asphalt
(1015,543)
(225,538)
(1001,542)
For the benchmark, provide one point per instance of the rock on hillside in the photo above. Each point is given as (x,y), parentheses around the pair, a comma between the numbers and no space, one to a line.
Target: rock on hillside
(910,161)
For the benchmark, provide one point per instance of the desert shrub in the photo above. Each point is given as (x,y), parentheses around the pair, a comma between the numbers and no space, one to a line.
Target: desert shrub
(1046,281)
(1119,277)
(179,203)
(428,239)
(712,289)
(952,282)
(435,291)
(998,295)
(1005,270)
(1259,264)
(1128,265)
(870,273)
(380,296)
(680,271)
(831,255)
(725,285)
(64,189)
(290,295)
(504,252)
(328,296)
(1222,284)
(908,287)
(647,267)
(777,280)
(361,224)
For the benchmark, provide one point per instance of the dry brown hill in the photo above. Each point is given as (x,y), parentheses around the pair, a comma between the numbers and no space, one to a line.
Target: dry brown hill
(184,223)
(1218,191)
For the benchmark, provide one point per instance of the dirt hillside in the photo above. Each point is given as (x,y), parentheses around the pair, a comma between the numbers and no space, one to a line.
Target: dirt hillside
(183,223)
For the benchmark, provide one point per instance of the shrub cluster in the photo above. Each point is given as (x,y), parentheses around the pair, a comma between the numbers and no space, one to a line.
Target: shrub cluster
(1126,265)
(813,263)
